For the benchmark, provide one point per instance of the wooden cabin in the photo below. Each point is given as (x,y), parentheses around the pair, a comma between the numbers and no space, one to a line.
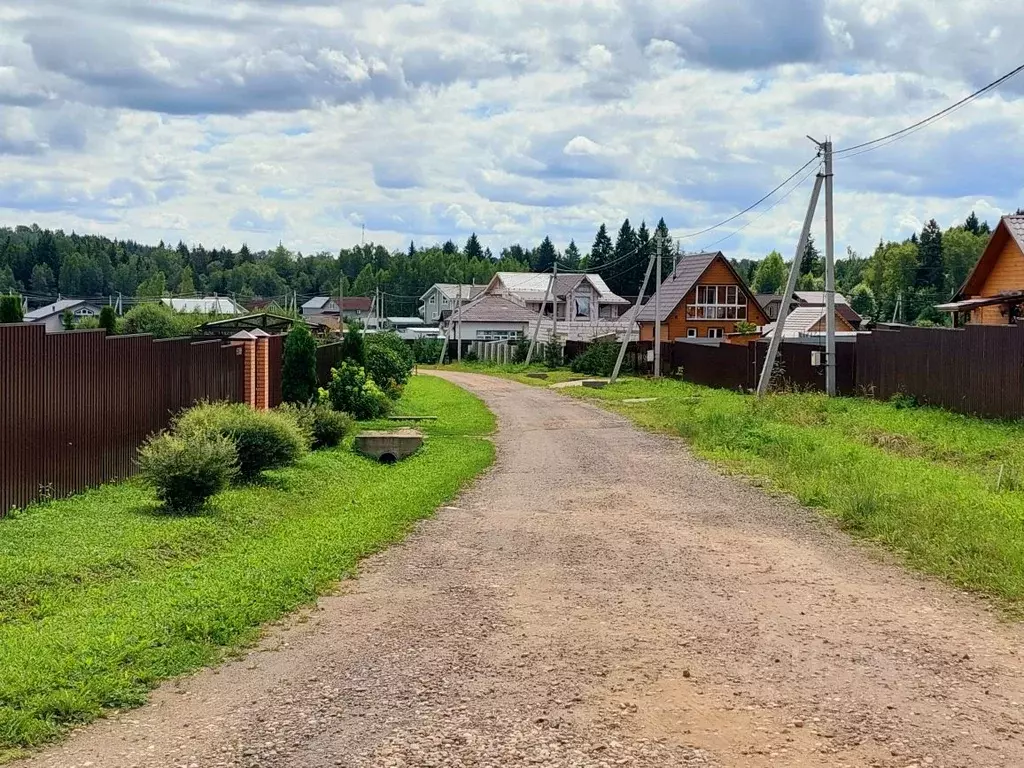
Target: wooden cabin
(704,298)
(993,293)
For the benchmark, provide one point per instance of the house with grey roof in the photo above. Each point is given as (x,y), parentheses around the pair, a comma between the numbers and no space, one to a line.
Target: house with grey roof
(441,298)
(51,316)
(356,307)
(578,307)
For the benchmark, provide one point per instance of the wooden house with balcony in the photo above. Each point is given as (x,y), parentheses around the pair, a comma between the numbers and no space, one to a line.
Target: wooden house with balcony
(704,298)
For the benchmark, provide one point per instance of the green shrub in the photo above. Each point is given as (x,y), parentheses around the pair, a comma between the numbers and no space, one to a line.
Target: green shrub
(264,439)
(427,351)
(396,344)
(354,344)
(186,470)
(298,370)
(325,427)
(11,310)
(352,392)
(522,349)
(386,370)
(67,320)
(553,354)
(598,359)
(108,320)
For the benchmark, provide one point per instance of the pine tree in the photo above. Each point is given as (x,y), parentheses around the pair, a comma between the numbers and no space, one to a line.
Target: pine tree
(412,250)
(930,271)
(972,224)
(812,263)
(473,249)
(668,250)
(638,262)
(67,320)
(545,256)
(601,251)
(626,245)
(571,258)
(450,248)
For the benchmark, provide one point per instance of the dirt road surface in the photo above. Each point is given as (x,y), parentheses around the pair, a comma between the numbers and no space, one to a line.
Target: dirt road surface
(602,599)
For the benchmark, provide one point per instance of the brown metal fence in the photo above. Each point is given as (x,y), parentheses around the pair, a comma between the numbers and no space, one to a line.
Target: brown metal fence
(975,370)
(74,407)
(275,368)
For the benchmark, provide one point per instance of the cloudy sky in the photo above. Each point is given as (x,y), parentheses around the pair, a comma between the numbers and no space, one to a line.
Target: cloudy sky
(303,120)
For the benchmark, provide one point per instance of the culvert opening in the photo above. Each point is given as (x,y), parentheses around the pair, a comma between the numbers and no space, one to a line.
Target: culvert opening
(388,458)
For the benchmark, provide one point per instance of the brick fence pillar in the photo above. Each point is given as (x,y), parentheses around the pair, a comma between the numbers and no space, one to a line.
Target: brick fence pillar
(262,373)
(247,342)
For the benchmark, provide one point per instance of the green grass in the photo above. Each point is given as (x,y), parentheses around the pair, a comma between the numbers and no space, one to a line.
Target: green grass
(101,596)
(923,482)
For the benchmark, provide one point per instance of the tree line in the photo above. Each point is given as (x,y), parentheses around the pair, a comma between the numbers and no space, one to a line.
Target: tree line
(901,280)
(906,278)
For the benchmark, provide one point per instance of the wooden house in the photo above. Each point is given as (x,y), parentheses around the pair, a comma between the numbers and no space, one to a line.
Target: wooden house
(704,298)
(993,293)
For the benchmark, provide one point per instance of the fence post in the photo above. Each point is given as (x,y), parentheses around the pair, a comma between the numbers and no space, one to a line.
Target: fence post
(247,341)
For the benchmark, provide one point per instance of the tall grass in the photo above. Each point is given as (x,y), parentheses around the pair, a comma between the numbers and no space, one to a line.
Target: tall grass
(101,597)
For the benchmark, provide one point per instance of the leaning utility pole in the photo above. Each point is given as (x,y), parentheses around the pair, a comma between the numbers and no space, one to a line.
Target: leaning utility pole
(554,311)
(830,277)
(632,322)
(787,298)
(657,317)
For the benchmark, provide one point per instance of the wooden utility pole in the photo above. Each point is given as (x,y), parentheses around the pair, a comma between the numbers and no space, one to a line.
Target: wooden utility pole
(458,320)
(657,317)
(536,330)
(629,326)
(787,298)
(830,277)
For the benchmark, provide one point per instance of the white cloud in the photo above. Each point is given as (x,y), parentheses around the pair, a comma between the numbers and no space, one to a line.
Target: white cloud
(303,120)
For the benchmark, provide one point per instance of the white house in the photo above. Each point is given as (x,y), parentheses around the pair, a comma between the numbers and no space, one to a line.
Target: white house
(514,303)
(210,305)
(440,299)
(51,315)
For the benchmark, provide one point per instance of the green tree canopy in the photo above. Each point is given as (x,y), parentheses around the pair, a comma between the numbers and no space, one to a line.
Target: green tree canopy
(770,275)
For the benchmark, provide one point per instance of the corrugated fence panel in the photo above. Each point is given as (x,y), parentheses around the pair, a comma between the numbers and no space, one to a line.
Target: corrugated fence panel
(275,368)
(327,357)
(976,370)
(75,407)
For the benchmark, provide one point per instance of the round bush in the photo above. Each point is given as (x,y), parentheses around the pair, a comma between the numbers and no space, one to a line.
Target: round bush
(396,344)
(325,427)
(598,359)
(386,369)
(264,439)
(187,470)
(352,392)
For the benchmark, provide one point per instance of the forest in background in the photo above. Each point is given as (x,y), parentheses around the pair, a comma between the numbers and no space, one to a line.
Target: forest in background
(906,278)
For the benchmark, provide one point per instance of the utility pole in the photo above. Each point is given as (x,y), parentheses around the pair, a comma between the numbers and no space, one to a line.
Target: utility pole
(458,320)
(341,300)
(657,317)
(629,325)
(554,308)
(536,330)
(787,298)
(830,277)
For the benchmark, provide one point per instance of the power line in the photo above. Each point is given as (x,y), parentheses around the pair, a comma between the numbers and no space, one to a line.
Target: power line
(896,135)
(764,213)
(750,207)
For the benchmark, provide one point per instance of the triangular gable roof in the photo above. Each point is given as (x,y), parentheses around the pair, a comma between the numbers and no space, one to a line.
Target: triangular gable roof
(688,272)
(1009,227)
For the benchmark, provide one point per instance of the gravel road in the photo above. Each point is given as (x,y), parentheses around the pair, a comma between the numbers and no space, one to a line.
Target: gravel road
(599,599)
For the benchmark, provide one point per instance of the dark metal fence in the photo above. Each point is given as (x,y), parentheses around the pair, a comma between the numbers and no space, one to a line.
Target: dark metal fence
(275,368)
(975,370)
(75,407)
(328,356)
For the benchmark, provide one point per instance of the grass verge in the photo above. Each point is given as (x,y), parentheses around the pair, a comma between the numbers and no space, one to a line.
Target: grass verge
(944,491)
(101,596)
(517,372)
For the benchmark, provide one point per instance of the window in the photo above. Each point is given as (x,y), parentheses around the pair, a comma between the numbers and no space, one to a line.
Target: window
(691,333)
(433,299)
(604,312)
(582,304)
(715,333)
(718,302)
(84,312)
(497,335)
